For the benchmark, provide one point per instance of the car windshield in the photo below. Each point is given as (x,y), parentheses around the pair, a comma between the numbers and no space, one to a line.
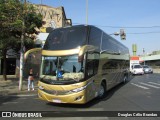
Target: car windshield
(145,67)
(62,68)
(137,66)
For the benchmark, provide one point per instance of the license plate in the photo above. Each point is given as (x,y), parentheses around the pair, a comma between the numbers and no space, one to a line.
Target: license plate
(57,101)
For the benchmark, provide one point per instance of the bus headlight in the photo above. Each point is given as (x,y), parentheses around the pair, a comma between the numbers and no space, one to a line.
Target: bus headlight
(78,89)
(41,87)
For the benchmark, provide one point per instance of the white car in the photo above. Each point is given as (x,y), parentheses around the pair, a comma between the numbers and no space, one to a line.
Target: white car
(137,69)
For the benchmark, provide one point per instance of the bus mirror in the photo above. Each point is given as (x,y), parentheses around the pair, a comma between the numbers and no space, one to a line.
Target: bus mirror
(31,51)
(80,58)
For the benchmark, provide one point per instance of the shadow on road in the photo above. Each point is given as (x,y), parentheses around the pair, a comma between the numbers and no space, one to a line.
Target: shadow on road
(9,90)
(6,99)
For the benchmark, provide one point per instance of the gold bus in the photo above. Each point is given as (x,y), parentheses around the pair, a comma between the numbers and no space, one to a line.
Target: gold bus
(80,63)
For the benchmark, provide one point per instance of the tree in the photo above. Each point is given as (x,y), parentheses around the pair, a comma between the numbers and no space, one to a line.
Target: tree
(12,14)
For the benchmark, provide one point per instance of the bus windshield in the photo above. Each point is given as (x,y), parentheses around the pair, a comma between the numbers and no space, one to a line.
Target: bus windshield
(66,38)
(64,68)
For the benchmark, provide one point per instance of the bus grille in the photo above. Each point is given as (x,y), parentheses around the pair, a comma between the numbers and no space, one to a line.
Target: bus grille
(54,92)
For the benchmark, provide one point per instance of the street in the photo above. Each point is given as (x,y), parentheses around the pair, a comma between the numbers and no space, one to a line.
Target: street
(140,93)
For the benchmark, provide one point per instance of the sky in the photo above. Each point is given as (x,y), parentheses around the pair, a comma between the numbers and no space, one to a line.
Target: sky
(139,18)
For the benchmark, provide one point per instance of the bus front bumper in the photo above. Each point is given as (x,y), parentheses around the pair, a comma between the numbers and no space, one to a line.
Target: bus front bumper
(75,98)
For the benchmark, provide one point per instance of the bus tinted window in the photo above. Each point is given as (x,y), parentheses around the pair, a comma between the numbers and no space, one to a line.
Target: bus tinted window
(92,64)
(95,37)
(108,43)
(68,38)
(111,45)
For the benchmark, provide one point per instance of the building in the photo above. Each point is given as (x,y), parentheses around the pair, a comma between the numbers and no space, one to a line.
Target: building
(52,18)
(11,63)
(152,60)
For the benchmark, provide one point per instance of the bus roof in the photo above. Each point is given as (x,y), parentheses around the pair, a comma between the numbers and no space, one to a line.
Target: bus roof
(80,35)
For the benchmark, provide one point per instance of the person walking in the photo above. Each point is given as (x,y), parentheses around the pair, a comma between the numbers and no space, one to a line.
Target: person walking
(30,80)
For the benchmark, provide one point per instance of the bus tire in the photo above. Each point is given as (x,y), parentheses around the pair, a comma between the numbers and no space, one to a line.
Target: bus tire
(102,91)
(125,78)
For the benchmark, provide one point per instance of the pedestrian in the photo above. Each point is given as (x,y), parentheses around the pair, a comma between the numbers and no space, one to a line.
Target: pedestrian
(30,80)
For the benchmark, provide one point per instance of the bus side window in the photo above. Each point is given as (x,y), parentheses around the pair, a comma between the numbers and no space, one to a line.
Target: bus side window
(92,65)
(95,37)
(89,68)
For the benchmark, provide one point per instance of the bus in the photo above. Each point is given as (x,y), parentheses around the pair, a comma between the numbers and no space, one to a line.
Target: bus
(80,63)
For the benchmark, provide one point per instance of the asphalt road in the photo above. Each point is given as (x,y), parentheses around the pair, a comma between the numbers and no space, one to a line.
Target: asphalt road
(140,93)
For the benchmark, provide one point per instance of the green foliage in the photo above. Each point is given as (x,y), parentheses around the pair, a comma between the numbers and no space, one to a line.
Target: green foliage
(12,15)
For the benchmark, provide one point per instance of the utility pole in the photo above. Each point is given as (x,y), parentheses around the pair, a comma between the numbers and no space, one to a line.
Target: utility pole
(144,55)
(22,49)
(86,12)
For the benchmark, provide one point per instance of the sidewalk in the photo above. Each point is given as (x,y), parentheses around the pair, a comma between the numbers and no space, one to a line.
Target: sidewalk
(11,86)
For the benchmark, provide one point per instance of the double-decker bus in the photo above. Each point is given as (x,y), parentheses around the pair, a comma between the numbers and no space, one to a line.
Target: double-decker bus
(80,63)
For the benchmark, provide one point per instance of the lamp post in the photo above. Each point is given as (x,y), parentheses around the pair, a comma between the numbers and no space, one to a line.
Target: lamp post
(121,33)
(115,33)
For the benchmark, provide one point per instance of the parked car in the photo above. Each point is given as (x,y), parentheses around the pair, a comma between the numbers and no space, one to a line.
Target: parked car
(137,69)
(147,69)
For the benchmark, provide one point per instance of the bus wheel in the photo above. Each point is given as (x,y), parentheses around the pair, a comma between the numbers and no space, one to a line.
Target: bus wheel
(125,78)
(102,91)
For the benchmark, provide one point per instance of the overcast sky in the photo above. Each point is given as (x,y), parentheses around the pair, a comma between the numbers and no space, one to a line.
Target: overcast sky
(139,18)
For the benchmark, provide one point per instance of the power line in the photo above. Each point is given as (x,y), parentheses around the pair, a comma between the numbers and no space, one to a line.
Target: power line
(145,32)
(152,32)
(157,26)
(129,26)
